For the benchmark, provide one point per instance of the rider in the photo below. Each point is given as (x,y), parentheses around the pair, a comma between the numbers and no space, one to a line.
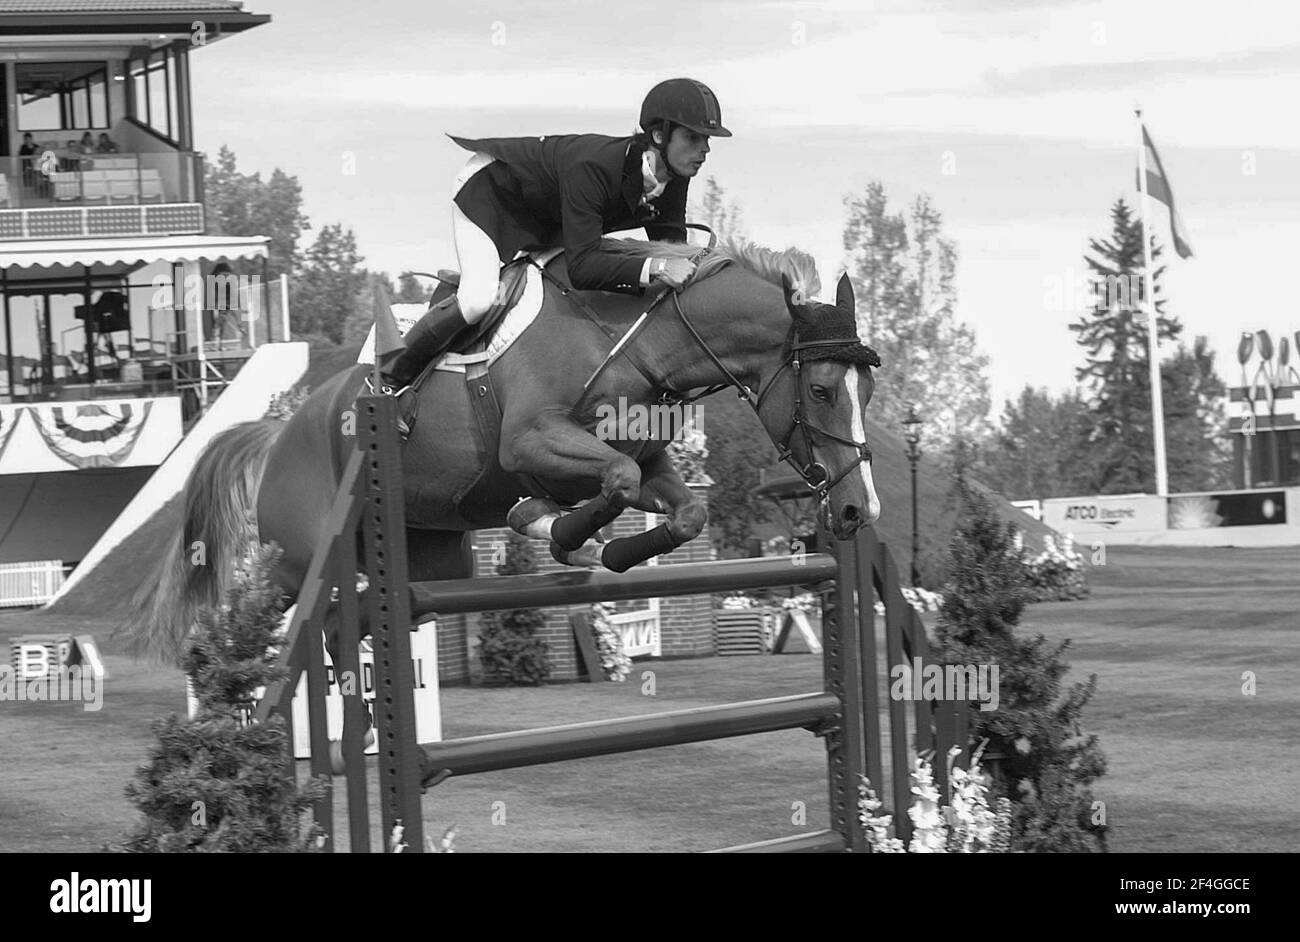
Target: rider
(570,190)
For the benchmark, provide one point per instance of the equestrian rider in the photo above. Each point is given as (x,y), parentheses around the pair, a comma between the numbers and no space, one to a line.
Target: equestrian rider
(570,190)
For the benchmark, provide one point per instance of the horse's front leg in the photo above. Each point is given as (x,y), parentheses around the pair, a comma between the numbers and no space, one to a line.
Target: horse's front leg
(561,449)
(664,492)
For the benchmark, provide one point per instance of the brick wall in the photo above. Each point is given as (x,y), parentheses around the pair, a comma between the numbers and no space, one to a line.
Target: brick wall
(687,623)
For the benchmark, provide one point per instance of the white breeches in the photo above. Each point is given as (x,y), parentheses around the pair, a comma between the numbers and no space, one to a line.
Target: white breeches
(480,264)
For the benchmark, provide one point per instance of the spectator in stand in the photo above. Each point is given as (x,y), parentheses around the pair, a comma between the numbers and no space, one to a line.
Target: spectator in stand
(87,143)
(70,163)
(28,152)
(106,145)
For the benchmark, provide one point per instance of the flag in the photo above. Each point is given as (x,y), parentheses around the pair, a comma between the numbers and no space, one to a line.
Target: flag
(385,335)
(388,339)
(1158,187)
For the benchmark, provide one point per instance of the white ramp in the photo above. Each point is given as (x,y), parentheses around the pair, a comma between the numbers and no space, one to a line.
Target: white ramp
(273,369)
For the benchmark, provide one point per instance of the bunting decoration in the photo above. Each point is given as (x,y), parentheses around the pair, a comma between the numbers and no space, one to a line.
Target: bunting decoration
(91,435)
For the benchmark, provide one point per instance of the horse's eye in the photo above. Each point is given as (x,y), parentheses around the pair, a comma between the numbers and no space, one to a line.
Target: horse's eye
(820,393)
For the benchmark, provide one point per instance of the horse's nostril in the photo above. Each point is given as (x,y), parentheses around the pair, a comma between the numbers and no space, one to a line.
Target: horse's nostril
(851,512)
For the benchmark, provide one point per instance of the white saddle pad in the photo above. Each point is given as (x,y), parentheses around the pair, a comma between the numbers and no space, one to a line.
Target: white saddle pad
(508,331)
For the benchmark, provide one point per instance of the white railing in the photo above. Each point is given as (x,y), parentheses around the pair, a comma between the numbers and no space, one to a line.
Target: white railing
(640,631)
(34,583)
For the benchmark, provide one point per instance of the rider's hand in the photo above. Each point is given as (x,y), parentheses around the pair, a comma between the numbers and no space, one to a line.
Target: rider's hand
(676,272)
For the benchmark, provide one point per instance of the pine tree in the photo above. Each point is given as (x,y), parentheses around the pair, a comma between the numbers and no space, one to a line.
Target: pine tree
(218,783)
(1047,766)
(1117,373)
(509,647)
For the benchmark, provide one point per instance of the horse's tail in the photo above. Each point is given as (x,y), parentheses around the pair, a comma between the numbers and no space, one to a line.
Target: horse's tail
(218,523)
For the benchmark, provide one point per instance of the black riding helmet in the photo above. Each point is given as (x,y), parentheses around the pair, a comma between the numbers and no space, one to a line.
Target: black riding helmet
(686,102)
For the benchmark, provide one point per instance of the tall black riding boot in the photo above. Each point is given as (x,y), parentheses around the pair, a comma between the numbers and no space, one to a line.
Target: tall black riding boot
(427,340)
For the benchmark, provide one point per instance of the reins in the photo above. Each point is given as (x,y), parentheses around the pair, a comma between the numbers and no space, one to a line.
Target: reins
(813,473)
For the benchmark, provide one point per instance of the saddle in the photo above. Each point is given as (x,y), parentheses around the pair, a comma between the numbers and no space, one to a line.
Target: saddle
(514,277)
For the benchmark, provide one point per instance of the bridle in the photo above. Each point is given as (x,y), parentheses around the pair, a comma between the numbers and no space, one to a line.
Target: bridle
(814,473)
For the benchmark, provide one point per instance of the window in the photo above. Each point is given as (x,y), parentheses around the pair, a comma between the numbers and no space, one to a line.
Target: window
(155,92)
(58,96)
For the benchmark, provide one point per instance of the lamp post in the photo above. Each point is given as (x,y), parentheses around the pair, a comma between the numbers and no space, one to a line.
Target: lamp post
(912,434)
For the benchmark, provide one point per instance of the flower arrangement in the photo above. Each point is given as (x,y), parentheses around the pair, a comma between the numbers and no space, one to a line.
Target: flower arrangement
(689,454)
(1056,574)
(283,405)
(609,643)
(800,603)
(966,826)
(445,845)
(923,600)
(737,601)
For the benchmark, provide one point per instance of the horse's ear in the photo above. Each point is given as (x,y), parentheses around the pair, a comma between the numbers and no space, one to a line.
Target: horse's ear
(793,293)
(844,294)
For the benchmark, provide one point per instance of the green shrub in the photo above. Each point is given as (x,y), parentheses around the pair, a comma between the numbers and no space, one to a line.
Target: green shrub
(1046,766)
(216,783)
(508,644)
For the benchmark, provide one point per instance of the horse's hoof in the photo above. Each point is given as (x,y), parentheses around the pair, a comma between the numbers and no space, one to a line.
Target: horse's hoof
(588,555)
(533,517)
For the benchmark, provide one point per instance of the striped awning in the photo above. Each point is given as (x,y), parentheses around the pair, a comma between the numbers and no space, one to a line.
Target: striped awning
(54,254)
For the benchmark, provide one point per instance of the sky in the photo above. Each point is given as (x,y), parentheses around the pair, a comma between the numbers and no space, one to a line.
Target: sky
(1017,119)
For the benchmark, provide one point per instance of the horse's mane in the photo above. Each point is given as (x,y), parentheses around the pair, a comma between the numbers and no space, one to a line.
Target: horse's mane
(768,264)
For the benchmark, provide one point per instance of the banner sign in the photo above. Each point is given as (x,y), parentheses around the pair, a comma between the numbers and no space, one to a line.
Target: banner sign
(1243,509)
(1089,515)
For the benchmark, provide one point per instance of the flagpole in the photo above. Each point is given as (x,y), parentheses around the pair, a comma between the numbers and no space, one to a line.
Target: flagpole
(1153,334)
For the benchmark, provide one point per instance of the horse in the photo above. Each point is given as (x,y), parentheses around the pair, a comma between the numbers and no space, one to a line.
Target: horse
(517,444)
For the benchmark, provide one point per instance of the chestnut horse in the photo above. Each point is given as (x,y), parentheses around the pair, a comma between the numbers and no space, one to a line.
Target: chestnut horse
(744,320)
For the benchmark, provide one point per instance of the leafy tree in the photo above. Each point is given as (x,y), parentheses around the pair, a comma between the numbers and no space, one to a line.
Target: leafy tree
(734,459)
(325,291)
(373,297)
(903,272)
(239,204)
(410,290)
(1040,448)
(717,212)
(1046,765)
(1199,454)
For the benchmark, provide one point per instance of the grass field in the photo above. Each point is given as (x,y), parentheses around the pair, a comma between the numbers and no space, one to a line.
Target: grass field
(1195,765)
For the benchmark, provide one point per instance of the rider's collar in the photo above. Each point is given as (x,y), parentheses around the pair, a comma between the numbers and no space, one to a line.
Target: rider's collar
(654,174)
